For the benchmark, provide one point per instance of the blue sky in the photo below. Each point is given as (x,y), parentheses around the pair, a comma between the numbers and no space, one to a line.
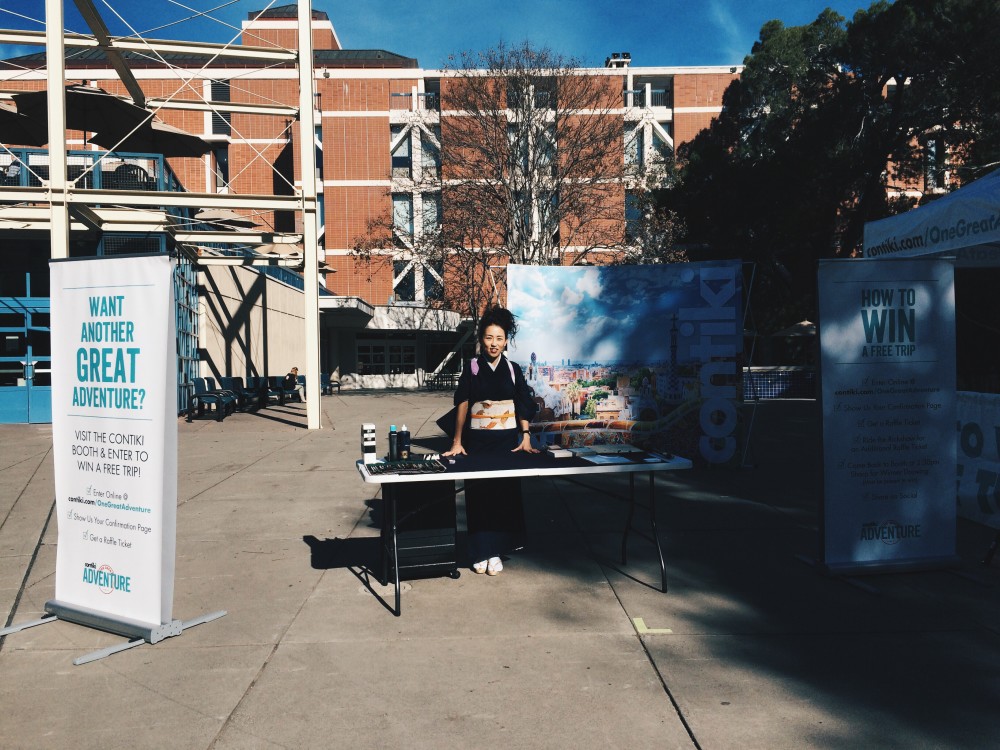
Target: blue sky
(664,32)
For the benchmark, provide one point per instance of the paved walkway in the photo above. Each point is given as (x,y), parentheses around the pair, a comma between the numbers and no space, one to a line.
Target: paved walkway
(751,648)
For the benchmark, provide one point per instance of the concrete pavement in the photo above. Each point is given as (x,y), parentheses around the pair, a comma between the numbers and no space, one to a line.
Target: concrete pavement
(750,648)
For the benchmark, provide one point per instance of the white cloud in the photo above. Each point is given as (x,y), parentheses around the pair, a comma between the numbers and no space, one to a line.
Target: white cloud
(590,283)
(570,296)
(734,40)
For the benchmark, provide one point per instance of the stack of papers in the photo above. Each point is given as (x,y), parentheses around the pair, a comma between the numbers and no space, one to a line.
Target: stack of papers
(600,458)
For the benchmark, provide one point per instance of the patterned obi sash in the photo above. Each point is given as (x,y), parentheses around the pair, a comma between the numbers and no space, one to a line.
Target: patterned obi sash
(492,415)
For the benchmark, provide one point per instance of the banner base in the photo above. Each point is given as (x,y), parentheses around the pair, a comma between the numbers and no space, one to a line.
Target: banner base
(138,633)
(118,625)
(873,567)
(25,625)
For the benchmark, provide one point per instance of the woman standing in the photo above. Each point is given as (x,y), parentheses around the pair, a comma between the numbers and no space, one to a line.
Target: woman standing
(495,401)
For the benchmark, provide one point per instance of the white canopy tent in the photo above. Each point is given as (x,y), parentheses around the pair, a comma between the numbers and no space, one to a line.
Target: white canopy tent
(965,224)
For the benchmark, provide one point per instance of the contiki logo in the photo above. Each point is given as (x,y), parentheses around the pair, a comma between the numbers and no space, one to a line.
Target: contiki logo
(889,532)
(106,579)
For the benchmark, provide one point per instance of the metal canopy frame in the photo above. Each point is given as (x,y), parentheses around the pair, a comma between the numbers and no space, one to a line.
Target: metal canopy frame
(67,203)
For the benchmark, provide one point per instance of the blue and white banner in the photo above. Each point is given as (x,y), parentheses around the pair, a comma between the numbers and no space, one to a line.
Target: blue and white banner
(114,433)
(887,351)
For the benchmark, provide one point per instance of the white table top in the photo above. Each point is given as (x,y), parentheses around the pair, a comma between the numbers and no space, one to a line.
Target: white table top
(546,467)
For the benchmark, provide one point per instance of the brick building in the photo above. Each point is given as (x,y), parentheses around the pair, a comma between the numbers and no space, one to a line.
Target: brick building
(380,118)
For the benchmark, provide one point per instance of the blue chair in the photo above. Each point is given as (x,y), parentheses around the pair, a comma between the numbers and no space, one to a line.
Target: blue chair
(246,399)
(228,396)
(259,385)
(275,389)
(327,384)
(293,392)
(204,398)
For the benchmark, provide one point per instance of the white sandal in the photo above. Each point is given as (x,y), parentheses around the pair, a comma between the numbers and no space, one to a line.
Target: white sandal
(494,566)
(480,567)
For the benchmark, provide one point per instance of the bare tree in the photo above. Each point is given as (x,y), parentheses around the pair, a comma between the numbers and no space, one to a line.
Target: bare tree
(531,169)
(532,156)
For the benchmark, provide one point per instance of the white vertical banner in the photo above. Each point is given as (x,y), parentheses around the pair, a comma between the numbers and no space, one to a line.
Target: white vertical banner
(114,433)
(887,351)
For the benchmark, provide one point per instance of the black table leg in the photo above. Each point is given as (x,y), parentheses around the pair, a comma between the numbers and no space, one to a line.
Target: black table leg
(655,538)
(395,553)
(384,535)
(656,535)
(628,522)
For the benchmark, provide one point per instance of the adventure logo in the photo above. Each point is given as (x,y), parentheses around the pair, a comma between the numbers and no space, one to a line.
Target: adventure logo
(106,579)
(889,532)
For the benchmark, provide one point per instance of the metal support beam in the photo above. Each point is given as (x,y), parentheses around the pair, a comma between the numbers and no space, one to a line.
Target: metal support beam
(58,196)
(112,198)
(158,45)
(247,108)
(310,227)
(103,36)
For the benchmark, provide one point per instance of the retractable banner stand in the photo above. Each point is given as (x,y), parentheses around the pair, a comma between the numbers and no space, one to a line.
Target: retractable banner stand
(114,430)
(887,341)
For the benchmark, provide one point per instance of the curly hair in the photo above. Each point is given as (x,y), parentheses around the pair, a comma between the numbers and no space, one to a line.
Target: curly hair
(498,316)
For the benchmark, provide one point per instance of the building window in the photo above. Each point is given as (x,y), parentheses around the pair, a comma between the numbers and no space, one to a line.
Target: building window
(404,287)
(432,93)
(399,146)
(402,215)
(431,212)
(633,145)
(633,216)
(221,121)
(417,282)
(661,149)
(547,151)
(386,357)
(430,154)
(517,143)
(220,168)
(531,93)
(934,164)
(433,281)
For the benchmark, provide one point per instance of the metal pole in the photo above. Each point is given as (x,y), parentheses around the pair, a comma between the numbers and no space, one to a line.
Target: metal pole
(310,232)
(55,53)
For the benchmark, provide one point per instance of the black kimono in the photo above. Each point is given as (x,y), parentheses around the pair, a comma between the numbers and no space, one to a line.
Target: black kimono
(494,512)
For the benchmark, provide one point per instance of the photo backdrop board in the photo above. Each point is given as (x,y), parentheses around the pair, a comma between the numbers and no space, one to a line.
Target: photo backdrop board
(645,354)
(887,353)
(114,433)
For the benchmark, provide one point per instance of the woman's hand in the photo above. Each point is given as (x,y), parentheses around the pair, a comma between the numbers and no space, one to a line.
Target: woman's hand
(525,445)
(456,450)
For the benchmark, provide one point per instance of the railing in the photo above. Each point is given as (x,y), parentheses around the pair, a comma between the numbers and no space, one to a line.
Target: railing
(429,100)
(27,167)
(657,98)
(291,278)
(540,100)
(425,100)
(660,98)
